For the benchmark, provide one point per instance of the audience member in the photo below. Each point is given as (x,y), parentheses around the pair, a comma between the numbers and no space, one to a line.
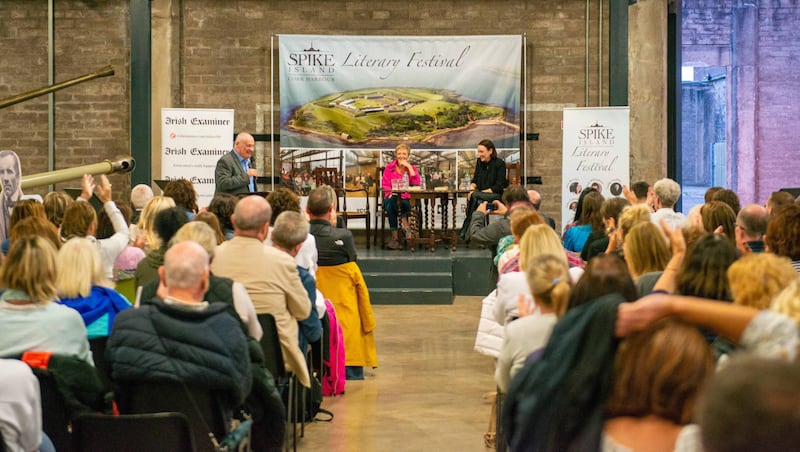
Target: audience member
(719,218)
(21,409)
(730,198)
(751,226)
(127,261)
(783,234)
(630,217)
(536,199)
(289,235)
(207,348)
(55,204)
(141,194)
(183,193)
(597,242)
(282,200)
(335,246)
(758,278)
(165,224)
(83,286)
(647,253)
(751,404)
(80,220)
(488,235)
(507,258)
(778,200)
(211,220)
(222,205)
(269,276)
(143,234)
(665,195)
(709,194)
(35,226)
(549,284)
(590,221)
(658,376)
(29,318)
(639,193)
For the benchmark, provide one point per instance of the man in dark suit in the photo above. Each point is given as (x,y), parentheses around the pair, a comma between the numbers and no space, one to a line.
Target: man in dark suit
(236,170)
(335,246)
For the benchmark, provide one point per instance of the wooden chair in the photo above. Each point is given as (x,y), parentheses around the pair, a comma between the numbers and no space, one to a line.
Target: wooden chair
(156,432)
(380,214)
(330,176)
(512,173)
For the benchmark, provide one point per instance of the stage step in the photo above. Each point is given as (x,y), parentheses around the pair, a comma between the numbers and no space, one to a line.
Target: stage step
(402,277)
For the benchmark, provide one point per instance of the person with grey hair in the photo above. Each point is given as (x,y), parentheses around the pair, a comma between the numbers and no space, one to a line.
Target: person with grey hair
(536,199)
(207,348)
(335,245)
(665,195)
(288,235)
(269,275)
(140,194)
(751,225)
(11,181)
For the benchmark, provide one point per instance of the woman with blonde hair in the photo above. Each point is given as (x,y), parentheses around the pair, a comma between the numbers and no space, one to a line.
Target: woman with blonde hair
(520,220)
(756,279)
(630,217)
(647,252)
(787,302)
(84,287)
(29,319)
(548,282)
(143,235)
(396,203)
(539,239)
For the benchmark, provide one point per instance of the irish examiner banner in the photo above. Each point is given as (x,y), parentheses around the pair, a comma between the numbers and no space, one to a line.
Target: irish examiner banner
(372,92)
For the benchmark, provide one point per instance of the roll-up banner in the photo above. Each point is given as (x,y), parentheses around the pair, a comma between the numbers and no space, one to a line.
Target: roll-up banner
(596,153)
(192,140)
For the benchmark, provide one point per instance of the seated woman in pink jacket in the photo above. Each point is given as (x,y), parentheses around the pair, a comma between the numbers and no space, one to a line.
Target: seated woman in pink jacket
(397,202)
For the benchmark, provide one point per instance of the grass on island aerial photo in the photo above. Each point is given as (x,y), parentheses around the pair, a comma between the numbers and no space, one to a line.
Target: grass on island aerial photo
(377,115)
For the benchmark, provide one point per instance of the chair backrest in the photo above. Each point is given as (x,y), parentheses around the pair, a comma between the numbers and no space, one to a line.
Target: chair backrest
(98,347)
(512,173)
(155,432)
(327,176)
(201,406)
(55,413)
(271,345)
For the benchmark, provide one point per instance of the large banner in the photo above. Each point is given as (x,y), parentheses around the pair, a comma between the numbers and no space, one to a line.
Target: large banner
(596,153)
(192,140)
(373,92)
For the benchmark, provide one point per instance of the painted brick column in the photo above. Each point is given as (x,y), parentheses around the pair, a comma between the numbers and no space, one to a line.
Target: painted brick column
(742,134)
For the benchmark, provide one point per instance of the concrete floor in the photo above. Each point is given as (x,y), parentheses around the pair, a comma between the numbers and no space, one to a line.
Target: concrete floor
(427,393)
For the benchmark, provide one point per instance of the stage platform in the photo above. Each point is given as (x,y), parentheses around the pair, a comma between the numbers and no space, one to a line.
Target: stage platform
(423,277)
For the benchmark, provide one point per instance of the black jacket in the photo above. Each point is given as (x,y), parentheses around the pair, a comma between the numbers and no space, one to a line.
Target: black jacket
(205,348)
(335,246)
(491,174)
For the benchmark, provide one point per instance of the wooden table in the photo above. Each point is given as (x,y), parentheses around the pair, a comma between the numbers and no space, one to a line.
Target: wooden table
(422,222)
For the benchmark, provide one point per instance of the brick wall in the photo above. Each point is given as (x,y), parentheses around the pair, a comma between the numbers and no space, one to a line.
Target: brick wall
(221,54)
(92,119)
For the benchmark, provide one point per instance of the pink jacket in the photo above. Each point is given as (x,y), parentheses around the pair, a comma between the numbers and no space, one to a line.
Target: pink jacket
(390,174)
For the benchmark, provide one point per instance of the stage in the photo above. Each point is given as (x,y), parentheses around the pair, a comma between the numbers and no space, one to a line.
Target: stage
(423,277)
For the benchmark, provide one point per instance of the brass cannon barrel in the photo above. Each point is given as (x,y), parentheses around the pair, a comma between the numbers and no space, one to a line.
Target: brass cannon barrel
(122,164)
(9,101)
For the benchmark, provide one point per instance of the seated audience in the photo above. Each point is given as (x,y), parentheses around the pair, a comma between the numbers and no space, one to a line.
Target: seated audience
(536,199)
(141,194)
(55,204)
(281,200)
(728,197)
(777,201)
(269,276)
(719,218)
(597,243)
(213,222)
(21,409)
(647,253)
(166,223)
(143,233)
(83,286)
(35,226)
(591,221)
(29,318)
(756,279)
(507,259)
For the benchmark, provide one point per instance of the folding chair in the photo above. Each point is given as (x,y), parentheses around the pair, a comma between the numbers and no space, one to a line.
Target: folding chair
(156,432)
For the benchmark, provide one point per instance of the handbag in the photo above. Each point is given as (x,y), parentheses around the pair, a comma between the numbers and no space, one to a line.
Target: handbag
(238,439)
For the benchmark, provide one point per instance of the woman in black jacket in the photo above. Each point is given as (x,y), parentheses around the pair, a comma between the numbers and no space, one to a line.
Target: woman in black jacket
(488,181)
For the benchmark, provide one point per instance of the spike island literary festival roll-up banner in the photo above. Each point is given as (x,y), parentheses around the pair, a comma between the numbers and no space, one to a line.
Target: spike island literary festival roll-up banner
(596,153)
(192,140)
(374,92)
